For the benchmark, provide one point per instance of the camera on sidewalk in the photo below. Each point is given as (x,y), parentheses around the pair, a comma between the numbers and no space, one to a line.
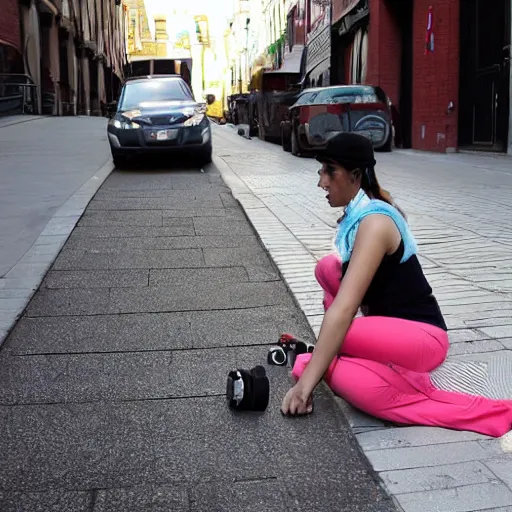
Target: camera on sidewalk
(248,390)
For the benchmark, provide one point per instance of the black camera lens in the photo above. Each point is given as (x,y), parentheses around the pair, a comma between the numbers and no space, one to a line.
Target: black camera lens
(277,356)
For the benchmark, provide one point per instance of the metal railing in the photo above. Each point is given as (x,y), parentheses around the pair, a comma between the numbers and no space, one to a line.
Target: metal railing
(17,94)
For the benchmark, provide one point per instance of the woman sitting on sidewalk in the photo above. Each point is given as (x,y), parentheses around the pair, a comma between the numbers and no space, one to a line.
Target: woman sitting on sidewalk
(380,362)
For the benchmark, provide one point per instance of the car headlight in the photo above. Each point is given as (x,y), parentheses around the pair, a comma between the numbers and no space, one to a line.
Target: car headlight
(124,125)
(195,120)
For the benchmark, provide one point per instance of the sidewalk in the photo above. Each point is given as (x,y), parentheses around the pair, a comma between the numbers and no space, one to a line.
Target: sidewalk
(112,383)
(459,207)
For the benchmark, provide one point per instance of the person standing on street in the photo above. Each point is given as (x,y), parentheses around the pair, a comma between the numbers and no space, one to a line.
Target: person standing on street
(380,362)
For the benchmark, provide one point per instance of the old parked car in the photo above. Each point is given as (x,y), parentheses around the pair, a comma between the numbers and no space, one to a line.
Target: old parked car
(159,115)
(320,113)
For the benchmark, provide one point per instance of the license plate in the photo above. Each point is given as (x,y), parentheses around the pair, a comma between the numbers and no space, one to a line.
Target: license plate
(166,134)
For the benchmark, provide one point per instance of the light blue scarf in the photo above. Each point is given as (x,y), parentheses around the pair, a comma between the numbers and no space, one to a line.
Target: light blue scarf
(356,211)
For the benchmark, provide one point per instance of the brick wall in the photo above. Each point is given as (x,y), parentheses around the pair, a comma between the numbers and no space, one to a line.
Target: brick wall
(435,76)
(10,24)
(384,50)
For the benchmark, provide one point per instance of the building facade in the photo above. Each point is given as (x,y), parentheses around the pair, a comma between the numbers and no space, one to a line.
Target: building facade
(445,65)
(318,41)
(66,56)
(10,38)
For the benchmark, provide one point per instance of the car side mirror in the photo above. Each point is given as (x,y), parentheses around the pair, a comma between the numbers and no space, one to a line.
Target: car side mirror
(210,99)
(112,108)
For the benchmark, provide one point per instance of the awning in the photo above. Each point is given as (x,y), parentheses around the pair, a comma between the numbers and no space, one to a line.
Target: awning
(341,8)
(352,18)
(291,61)
(322,67)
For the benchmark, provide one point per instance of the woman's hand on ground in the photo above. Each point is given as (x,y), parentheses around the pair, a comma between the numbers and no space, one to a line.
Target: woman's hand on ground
(297,402)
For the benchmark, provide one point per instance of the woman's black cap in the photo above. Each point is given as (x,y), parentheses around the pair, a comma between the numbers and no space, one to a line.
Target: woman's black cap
(348,149)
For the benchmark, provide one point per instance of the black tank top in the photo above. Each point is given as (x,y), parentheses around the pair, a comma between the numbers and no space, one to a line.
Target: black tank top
(401,290)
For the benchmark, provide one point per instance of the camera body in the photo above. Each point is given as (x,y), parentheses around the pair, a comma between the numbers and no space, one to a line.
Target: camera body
(248,390)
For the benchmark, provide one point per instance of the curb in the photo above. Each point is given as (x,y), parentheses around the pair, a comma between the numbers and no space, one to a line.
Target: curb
(30,119)
(259,216)
(18,286)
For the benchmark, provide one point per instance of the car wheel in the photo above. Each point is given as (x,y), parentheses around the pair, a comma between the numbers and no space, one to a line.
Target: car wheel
(389,143)
(120,161)
(261,133)
(205,157)
(294,143)
(285,142)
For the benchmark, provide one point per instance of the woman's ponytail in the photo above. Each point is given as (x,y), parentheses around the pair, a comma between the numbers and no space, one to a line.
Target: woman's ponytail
(370,184)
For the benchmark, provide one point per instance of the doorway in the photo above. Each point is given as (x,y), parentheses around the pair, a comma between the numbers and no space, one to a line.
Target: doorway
(402,11)
(484,93)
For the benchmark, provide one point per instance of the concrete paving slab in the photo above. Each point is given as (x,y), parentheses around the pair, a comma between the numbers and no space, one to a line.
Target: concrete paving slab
(434,478)
(246,256)
(501,467)
(219,213)
(121,218)
(184,227)
(55,448)
(414,436)
(85,377)
(96,279)
(160,242)
(201,297)
(88,301)
(475,347)
(461,499)
(257,263)
(260,496)
(56,501)
(205,226)
(174,203)
(157,498)
(116,333)
(129,259)
(206,192)
(162,331)
(191,277)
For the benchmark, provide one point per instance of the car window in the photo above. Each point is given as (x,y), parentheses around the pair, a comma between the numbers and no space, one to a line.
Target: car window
(306,98)
(348,95)
(153,91)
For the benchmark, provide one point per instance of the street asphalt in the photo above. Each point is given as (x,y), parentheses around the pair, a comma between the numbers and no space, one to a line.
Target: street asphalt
(43,162)
(50,168)
(112,384)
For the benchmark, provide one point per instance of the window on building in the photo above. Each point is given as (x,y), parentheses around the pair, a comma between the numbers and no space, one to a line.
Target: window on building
(315,11)
(290,28)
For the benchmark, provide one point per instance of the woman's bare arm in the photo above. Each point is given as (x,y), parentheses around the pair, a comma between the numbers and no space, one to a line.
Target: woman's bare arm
(376,236)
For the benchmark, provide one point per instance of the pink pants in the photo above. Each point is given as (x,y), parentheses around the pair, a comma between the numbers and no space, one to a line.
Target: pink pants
(383,367)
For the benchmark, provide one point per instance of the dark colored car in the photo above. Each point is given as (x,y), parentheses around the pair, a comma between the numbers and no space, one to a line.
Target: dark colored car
(159,115)
(320,113)
(279,91)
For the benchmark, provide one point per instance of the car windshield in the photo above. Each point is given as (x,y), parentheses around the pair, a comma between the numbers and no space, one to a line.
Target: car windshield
(136,94)
(349,95)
